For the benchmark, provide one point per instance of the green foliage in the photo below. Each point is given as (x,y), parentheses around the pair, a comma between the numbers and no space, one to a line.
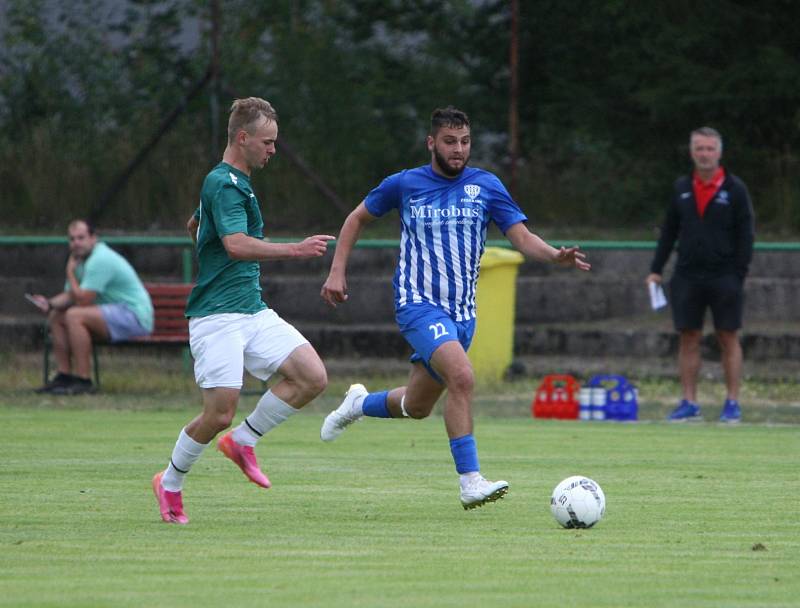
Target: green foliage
(355,82)
(608,94)
(81,90)
(617,88)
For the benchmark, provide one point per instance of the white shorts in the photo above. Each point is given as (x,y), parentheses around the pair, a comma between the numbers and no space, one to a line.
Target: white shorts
(224,345)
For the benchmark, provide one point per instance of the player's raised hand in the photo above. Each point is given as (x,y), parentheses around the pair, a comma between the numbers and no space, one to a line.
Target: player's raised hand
(334,290)
(572,256)
(314,246)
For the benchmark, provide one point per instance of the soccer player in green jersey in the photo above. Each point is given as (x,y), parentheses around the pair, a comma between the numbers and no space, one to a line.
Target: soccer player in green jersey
(230,327)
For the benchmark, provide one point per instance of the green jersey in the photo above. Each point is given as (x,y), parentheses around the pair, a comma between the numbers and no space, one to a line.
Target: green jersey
(114,281)
(227,206)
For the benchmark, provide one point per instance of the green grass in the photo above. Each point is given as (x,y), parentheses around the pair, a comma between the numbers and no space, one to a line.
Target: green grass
(374,519)
(144,381)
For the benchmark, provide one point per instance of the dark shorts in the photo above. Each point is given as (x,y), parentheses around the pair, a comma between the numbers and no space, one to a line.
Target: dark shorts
(690,298)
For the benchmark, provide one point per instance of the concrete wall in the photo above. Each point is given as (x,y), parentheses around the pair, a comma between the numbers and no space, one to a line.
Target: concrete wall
(558,311)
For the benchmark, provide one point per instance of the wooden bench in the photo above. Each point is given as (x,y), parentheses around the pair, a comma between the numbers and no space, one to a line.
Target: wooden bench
(170,326)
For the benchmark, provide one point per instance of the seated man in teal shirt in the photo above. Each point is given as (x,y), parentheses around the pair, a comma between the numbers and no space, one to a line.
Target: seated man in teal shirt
(103,299)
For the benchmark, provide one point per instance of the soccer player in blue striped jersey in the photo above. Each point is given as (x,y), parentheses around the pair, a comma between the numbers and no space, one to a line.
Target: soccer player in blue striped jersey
(445,209)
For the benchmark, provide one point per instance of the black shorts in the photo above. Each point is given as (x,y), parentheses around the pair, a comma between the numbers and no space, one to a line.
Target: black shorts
(690,298)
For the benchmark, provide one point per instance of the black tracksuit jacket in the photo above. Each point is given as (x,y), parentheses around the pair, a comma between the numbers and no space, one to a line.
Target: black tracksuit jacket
(717,244)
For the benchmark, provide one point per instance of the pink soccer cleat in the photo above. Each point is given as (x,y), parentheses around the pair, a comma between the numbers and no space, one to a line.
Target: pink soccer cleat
(169,503)
(245,458)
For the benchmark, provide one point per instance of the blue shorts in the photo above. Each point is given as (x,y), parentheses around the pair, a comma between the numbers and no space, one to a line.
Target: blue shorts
(122,323)
(426,327)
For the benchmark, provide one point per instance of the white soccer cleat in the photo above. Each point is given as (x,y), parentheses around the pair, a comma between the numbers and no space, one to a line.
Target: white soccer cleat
(344,415)
(479,491)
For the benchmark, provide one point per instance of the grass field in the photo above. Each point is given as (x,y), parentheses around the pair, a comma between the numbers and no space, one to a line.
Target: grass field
(698,515)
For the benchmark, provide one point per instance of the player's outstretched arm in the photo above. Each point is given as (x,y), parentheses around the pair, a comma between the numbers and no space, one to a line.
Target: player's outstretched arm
(334,290)
(240,246)
(533,246)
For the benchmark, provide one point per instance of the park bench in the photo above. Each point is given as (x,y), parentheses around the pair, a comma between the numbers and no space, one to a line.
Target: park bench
(170,326)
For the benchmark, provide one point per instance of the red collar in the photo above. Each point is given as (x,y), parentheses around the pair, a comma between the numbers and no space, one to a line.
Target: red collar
(714,183)
(705,191)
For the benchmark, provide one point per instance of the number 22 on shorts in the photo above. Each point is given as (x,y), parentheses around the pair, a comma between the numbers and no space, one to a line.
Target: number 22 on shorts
(438,330)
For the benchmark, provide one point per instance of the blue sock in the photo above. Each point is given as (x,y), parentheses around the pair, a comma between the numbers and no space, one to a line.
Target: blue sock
(465,454)
(376,406)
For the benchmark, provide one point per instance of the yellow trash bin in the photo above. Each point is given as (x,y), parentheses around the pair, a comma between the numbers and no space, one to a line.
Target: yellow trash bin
(493,346)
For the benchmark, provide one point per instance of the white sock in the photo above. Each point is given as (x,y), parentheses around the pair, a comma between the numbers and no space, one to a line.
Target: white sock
(403,406)
(269,413)
(184,455)
(467,478)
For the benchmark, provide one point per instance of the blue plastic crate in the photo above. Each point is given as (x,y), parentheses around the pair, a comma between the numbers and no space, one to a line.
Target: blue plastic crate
(621,396)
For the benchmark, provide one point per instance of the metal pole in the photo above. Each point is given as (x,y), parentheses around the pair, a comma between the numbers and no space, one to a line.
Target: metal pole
(187,264)
(513,112)
(213,90)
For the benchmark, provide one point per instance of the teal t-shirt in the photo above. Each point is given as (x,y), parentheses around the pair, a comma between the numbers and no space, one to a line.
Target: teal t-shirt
(115,281)
(227,206)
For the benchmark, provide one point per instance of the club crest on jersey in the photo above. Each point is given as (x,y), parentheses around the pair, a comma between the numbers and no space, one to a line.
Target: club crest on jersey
(472,190)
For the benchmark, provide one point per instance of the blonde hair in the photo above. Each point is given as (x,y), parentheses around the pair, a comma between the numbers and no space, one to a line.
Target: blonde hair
(245,113)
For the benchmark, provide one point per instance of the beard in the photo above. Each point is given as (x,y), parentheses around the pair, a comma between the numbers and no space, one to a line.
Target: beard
(441,161)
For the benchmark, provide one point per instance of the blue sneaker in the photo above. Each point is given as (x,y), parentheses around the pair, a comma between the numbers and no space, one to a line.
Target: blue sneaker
(731,412)
(686,410)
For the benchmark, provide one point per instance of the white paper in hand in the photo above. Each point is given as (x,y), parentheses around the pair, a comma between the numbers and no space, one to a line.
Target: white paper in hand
(657,298)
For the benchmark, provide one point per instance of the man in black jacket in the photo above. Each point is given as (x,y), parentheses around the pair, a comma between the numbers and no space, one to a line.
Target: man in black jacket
(711,216)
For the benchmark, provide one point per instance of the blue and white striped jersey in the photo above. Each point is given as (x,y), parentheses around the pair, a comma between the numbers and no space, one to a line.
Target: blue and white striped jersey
(443,233)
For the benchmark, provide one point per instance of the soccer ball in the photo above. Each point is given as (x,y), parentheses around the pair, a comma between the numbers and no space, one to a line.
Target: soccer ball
(578,502)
